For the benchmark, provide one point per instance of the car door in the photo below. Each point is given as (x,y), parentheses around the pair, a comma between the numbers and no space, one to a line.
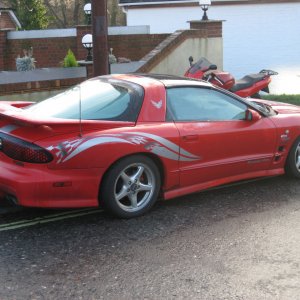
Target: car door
(215,129)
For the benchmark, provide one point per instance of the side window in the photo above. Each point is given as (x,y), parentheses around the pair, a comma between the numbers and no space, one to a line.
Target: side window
(202,104)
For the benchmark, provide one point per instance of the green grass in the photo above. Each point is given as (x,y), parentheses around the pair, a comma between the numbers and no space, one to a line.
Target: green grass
(292,99)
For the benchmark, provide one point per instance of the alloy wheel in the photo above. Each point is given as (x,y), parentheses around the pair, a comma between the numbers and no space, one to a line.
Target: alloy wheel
(134,187)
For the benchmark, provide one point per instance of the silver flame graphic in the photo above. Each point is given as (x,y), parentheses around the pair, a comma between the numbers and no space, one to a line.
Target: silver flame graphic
(152,143)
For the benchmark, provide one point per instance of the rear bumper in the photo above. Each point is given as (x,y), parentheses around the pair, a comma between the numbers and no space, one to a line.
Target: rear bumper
(38,186)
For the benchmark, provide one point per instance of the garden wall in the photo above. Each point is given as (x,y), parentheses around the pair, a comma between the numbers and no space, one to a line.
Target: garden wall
(51,46)
(151,53)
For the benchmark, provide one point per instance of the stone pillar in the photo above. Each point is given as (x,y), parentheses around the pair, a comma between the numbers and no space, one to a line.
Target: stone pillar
(209,28)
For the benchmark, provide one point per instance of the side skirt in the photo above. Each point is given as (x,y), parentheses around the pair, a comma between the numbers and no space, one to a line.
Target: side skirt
(214,183)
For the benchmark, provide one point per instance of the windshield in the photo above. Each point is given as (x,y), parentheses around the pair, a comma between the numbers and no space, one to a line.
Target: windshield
(202,64)
(95,99)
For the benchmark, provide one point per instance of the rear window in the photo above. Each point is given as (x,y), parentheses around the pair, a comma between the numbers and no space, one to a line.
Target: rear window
(96,99)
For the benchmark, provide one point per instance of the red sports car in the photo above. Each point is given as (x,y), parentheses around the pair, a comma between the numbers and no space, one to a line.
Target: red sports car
(122,141)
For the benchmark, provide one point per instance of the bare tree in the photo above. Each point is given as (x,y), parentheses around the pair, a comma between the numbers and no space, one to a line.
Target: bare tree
(115,15)
(69,13)
(65,13)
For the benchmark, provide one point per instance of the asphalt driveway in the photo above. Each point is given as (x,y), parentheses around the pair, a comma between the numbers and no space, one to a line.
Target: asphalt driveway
(241,242)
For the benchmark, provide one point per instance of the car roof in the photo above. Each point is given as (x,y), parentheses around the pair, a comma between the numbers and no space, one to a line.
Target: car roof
(170,80)
(173,80)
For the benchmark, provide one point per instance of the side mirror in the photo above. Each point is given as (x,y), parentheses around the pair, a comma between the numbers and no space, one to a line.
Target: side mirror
(213,67)
(191,60)
(252,115)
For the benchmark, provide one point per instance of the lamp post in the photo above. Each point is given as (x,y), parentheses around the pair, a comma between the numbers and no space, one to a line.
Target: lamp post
(88,12)
(204,4)
(87,42)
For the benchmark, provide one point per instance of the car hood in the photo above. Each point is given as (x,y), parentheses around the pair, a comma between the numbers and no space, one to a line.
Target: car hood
(280,107)
(13,121)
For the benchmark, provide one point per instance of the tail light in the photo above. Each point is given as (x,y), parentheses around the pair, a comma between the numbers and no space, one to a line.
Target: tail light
(23,151)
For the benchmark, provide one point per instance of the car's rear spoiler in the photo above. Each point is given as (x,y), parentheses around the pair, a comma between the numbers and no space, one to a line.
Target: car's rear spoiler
(15,116)
(21,120)
(12,112)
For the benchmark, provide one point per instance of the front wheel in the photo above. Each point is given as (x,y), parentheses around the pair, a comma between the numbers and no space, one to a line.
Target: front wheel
(131,186)
(292,165)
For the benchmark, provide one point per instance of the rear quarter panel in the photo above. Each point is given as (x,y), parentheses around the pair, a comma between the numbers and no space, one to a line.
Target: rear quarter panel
(102,149)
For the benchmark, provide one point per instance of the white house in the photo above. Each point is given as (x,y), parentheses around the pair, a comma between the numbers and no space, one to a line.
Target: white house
(257,34)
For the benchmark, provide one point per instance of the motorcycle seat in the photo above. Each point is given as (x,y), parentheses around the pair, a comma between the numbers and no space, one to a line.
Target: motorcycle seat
(247,81)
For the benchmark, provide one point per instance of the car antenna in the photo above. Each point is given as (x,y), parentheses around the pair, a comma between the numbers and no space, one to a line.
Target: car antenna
(80,113)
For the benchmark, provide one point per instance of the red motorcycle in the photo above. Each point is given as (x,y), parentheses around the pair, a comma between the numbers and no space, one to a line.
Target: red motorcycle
(248,86)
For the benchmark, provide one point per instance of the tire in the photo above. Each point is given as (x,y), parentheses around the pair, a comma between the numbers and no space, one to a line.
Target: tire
(292,164)
(131,187)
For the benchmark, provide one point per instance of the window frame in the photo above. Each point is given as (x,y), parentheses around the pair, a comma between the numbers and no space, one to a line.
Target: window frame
(170,117)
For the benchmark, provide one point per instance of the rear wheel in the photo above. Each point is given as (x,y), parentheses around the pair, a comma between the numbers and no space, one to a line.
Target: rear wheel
(131,186)
(292,165)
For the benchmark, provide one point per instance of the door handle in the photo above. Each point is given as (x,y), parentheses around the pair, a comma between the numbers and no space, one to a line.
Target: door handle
(190,138)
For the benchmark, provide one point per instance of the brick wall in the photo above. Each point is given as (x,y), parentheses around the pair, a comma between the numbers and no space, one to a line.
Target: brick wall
(50,52)
(135,47)
(47,52)
(2,49)
(6,22)
(210,28)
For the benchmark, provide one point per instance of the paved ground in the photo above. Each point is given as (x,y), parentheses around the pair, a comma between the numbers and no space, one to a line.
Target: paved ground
(241,242)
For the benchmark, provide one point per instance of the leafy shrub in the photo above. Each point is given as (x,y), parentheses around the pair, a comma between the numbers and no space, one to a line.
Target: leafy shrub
(27,62)
(70,60)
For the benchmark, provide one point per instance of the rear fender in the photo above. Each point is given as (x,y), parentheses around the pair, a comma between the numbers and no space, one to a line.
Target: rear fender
(256,88)
(104,148)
